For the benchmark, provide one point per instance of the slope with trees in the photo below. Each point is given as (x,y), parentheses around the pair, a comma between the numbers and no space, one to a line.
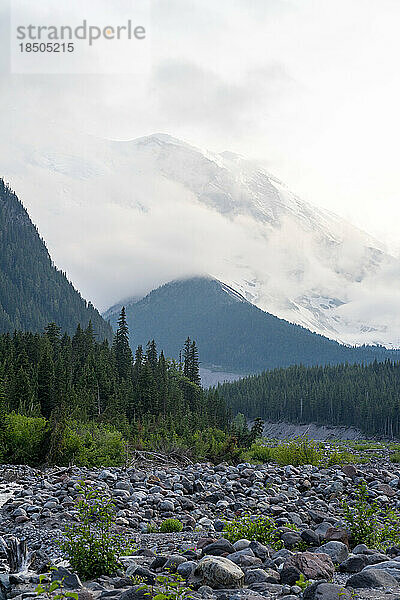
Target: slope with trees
(359,395)
(33,291)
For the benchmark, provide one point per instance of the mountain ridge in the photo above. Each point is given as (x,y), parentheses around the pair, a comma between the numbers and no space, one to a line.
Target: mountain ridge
(33,292)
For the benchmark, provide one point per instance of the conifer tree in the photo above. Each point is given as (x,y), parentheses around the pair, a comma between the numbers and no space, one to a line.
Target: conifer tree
(52,331)
(186,358)
(194,369)
(122,349)
(151,355)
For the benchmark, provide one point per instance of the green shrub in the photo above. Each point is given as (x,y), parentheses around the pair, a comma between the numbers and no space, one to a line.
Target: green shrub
(170,526)
(258,453)
(91,445)
(90,546)
(370,524)
(395,457)
(301,451)
(24,437)
(337,457)
(260,529)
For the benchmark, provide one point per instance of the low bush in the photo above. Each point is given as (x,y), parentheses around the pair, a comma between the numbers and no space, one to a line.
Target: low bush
(89,444)
(301,451)
(258,528)
(90,546)
(170,526)
(369,523)
(341,457)
(395,457)
(258,453)
(23,439)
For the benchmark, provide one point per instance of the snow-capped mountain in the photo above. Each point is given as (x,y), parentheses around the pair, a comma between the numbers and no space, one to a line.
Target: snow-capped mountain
(126,216)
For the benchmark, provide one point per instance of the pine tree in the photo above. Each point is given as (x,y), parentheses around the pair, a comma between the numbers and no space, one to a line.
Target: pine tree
(186,358)
(151,355)
(122,349)
(194,369)
(52,331)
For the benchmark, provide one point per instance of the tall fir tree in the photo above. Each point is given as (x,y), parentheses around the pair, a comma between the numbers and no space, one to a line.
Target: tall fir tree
(194,367)
(122,350)
(151,355)
(186,357)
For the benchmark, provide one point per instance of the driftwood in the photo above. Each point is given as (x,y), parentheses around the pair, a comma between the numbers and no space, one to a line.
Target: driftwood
(18,558)
(146,458)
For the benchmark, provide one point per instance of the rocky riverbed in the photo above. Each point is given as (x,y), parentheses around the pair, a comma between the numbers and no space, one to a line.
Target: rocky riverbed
(305,503)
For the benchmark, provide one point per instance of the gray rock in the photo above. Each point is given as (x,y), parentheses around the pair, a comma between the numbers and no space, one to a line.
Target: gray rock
(262,575)
(137,592)
(354,563)
(167,506)
(371,578)
(337,551)
(310,537)
(291,539)
(173,561)
(244,558)
(389,566)
(326,591)
(140,571)
(241,544)
(185,569)
(71,581)
(221,546)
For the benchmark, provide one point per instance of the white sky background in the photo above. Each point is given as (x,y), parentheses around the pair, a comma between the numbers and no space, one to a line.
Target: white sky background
(311,87)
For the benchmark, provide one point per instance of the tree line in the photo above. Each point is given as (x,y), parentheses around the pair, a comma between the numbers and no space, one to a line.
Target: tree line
(366,396)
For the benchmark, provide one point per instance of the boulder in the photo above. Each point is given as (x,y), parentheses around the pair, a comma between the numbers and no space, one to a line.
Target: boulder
(173,562)
(219,572)
(136,592)
(291,539)
(326,591)
(70,580)
(337,534)
(135,570)
(218,548)
(389,566)
(261,576)
(371,578)
(312,566)
(337,551)
(354,563)
(310,537)
(349,470)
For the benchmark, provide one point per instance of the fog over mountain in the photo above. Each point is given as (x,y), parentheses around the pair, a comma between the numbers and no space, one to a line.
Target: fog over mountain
(123,217)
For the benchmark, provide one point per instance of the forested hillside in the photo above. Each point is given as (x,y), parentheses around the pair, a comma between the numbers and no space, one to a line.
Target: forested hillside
(365,396)
(232,334)
(33,291)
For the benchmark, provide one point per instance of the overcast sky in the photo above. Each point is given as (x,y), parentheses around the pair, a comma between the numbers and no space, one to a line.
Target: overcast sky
(311,87)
